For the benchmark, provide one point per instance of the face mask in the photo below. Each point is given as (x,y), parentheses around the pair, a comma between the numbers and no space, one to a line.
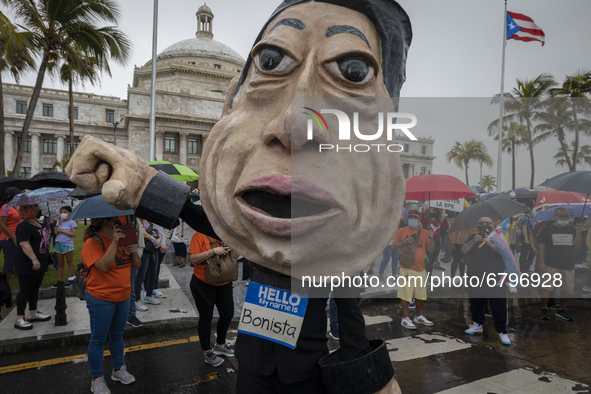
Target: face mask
(486,229)
(64,216)
(413,223)
(562,223)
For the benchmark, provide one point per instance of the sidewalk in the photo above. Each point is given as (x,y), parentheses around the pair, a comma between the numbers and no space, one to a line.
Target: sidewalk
(46,335)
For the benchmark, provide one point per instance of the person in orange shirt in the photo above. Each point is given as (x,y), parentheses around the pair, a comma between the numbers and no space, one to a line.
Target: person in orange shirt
(207,295)
(107,297)
(9,219)
(412,281)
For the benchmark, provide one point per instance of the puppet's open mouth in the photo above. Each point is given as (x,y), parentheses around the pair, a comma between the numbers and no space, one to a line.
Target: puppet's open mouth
(284,207)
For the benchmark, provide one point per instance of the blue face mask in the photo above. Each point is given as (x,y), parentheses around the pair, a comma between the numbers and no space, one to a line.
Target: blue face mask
(413,223)
(562,223)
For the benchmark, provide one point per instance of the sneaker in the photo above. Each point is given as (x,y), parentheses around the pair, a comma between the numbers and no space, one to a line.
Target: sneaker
(99,386)
(412,305)
(151,300)
(438,267)
(488,313)
(38,317)
(23,324)
(140,307)
(381,278)
(54,286)
(580,266)
(67,284)
(422,320)
(587,289)
(212,359)
(370,272)
(223,350)
(544,314)
(504,339)
(122,376)
(334,334)
(475,329)
(446,260)
(158,294)
(561,313)
(407,323)
(135,322)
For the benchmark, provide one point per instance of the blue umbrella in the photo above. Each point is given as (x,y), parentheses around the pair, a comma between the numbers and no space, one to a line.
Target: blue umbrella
(96,207)
(41,196)
(573,211)
(489,196)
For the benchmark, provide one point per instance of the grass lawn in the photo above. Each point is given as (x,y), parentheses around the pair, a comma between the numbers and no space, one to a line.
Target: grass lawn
(51,275)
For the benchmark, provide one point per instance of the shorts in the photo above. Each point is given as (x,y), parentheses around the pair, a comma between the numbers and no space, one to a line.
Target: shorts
(61,248)
(180,249)
(568,281)
(411,284)
(9,249)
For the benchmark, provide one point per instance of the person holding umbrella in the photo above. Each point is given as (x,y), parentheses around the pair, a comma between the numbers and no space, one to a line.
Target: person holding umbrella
(9,219)
(64,243)
(556,253)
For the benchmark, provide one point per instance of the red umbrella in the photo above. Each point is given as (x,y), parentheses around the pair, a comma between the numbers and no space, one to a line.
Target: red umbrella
(436,187)
(554,197)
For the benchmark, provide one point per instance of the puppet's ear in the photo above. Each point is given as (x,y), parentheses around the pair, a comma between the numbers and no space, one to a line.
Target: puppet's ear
(226,110)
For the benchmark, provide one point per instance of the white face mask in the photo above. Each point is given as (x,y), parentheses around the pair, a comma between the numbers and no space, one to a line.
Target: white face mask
(64,216)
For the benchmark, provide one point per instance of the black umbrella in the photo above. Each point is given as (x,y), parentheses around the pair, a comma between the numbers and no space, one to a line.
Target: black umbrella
(96,207)
(531,195)
(18,182)
(81,194)
(497,209)
(53,179)
(573,181)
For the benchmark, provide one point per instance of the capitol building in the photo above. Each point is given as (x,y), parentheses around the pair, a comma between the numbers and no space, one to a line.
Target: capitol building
(192,79)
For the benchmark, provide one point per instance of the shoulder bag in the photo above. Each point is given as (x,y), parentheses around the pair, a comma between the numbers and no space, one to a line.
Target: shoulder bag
(220,268)
(407,257)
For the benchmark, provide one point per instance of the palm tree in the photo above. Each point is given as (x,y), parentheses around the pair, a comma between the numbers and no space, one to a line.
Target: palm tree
(522,103)
(61,163)
(60,27)
(515,135)
(16,57)
(584,156)
(461,154)
(488,182)
(576,87)
(555,121)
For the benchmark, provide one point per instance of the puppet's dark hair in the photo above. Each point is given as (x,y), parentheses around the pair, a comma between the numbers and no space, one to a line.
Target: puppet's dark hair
(391,23)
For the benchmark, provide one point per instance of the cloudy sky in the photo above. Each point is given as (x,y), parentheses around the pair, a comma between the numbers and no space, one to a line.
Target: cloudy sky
(456,52)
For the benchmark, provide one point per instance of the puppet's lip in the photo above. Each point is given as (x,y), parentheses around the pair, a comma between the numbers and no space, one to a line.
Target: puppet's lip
(300,188)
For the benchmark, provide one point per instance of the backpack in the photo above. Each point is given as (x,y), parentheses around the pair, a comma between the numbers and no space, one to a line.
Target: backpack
(407,257)
(82,272)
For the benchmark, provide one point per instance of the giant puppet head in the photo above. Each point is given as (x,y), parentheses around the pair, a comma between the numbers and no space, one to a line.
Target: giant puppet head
(257,166)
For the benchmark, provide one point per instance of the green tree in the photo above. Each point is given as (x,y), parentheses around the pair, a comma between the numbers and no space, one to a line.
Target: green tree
(61,163)
(462,154)
(555,121)
(63,26)
(576,87)
(515,134)
(488,182)
(521,104)
(583,157)
(17,50)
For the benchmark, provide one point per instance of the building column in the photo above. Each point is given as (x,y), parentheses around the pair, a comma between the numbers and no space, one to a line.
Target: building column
(8,150)
(35,153)
(183,147)
(202,139)
(159,148)
(61,148)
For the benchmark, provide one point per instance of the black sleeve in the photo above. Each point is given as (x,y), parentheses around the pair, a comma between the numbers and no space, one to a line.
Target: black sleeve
(195,217)
(23,233)
(353,340)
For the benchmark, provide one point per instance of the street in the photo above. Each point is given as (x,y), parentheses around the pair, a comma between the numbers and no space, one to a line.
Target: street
(546,356)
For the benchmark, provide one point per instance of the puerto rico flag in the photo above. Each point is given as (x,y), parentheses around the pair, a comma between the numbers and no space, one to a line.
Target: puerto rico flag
(523,28)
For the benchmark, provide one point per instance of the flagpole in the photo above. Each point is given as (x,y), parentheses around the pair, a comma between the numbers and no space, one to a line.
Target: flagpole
(500,153)
(153,87)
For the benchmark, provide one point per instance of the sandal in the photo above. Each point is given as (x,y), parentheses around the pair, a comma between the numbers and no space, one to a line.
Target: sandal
(176,264)
(181,265)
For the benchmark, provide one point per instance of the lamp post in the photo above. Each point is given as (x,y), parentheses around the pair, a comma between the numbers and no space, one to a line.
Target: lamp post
(480,160)
(116,123)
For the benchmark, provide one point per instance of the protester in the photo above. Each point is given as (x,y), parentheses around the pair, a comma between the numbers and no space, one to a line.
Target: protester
(180,249)
(556,253)
(448,218)
(415,277)
(390,253)
(481,260)
(108,291)
(435,223)
(208,295)
(582,252)
(131,315)
(9,219)
(527,254)
(146,274)
(160,253)
(30,264)
(65,230)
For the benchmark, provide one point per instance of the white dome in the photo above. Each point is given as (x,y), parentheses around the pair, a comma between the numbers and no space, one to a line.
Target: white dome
(201,47)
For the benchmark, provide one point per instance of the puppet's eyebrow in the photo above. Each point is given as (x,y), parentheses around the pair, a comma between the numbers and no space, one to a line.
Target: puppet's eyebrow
(291,22)
(334,30)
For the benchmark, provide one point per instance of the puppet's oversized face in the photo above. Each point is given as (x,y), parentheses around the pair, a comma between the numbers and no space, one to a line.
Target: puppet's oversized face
(255,165)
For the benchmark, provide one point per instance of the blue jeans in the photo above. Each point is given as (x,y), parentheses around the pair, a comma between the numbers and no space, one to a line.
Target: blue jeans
(10,251)
(446,245)
(106,318)
(386,254)
(334,316)
(147,273)
(132,299)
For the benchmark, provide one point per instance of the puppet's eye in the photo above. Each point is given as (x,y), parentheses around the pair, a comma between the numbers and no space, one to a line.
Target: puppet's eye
(272,59)
(354,69)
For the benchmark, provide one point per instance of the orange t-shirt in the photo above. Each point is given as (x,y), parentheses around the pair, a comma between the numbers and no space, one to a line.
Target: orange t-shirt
(405,232)
(12,220)
(113,285)
(200,244)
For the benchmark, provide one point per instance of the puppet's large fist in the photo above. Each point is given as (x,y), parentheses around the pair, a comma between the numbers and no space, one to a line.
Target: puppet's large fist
(120,172)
